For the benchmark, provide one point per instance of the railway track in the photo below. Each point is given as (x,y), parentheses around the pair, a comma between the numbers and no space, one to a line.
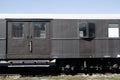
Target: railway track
(45,72)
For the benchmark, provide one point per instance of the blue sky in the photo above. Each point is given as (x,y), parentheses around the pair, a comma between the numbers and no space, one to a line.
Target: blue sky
(60,6)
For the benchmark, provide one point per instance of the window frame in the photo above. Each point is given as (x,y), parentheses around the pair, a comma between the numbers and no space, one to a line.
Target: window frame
(113,27)
(87,32)
(13,37)
(40,32)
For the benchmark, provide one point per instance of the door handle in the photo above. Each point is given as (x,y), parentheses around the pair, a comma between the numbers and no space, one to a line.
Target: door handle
(31,37)
(27,37)
(30,46)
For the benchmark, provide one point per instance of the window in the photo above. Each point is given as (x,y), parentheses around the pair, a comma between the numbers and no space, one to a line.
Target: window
(83,29)
(39,29)
(87,30)
(17,30)
(91,30)
(113,30)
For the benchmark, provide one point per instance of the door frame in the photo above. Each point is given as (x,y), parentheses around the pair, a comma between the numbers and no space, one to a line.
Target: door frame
(25,20)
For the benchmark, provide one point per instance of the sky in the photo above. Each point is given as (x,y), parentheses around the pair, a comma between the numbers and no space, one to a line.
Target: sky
(60,6)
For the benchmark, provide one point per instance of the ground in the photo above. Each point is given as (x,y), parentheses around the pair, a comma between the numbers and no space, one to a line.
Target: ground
(64,77)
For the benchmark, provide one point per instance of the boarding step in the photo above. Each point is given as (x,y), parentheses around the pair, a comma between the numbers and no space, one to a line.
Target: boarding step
(28,63)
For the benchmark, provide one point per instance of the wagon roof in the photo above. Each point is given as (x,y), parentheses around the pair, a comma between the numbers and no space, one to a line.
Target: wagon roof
(61,16)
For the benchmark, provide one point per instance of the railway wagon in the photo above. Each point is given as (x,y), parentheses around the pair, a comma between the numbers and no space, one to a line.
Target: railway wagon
(68,41)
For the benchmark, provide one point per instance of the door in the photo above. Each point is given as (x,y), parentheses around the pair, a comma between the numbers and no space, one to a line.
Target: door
(28,40)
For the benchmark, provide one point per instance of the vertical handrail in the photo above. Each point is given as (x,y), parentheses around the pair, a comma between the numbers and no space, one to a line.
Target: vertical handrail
(30,46)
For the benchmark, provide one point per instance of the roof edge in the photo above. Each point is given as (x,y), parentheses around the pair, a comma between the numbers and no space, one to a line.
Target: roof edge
(60,16)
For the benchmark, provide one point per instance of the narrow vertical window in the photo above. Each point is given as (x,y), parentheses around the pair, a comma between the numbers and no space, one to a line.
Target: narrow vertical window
(17,30)
(83,30)
(39,30)
(113,30)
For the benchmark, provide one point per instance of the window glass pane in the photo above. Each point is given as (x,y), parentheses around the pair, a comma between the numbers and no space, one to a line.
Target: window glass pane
(83,30)
(113,25)
(39,30)
(113,30)
(91,30)
(17,30)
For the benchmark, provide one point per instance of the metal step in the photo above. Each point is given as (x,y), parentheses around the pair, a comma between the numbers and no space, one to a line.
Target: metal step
(28,65)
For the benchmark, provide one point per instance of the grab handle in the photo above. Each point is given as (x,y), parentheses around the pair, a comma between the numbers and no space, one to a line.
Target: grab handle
(30,46)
